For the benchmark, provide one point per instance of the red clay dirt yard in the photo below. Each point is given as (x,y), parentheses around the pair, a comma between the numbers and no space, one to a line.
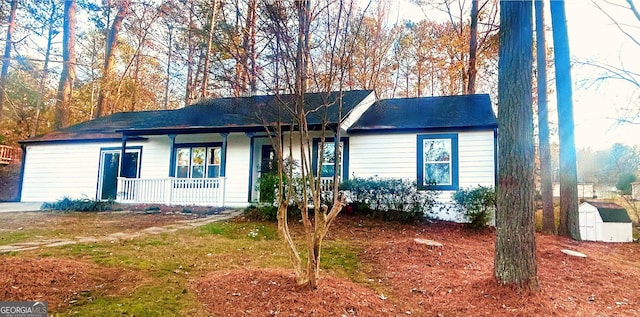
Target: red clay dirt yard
(396,276)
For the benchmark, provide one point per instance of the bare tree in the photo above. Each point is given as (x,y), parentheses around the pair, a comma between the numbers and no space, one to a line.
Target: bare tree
(68,75)
(515,259)
(205,72)
(104,99)
(473,48)
(546,185)
(300,67)
(6,60)
(623,73)
(569,222)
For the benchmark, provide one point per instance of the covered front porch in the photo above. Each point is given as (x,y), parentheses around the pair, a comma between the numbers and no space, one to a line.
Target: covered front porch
(172,191)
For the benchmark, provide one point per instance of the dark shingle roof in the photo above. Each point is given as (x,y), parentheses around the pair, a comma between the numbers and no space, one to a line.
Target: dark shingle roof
(611,212)
(223,114)
(450,112)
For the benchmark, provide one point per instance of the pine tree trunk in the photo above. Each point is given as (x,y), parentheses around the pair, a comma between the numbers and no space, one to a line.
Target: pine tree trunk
(569,222)
(6,60)
(473,48)
(207,57)
(68,74)
(515,259)
(546,186)
(110,49)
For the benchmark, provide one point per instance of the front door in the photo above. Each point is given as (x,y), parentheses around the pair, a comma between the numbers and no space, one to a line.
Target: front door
(110,169)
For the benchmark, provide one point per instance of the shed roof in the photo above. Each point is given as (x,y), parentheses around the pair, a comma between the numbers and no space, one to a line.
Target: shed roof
(219,114)
(611,212)
(425,113)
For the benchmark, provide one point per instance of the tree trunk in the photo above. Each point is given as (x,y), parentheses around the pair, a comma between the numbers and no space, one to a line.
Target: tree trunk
(207,57)
(68,74)
(169,55)
(6,60)
(110,48)
(45,70)
(473,48)
(569,222)
(515,260)
(546,186)
(191,51)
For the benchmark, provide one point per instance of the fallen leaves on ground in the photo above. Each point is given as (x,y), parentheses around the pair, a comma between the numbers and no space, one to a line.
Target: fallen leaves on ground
(410,278)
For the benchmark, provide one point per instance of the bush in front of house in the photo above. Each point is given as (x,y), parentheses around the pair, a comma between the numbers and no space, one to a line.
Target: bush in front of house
(391,199)
(477,204)
(82,204)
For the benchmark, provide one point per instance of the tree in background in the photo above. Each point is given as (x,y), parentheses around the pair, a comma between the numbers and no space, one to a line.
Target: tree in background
(6,59)
(470,45)
(105,99)
(170,54)
(46,20)
(546,185)
(68,75)
(515,248)
(473,48)
(569,222)
(625,16)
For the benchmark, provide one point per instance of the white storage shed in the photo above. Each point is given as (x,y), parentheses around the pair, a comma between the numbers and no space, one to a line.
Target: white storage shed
(603,221)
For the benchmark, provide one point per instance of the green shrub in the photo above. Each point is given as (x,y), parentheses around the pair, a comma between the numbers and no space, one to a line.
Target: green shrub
(267,186)
(389,198)
(477,204)
(83,204)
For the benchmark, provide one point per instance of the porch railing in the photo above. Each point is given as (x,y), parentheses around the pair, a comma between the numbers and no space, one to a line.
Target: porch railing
(326,184)
(8,154)
(171,191)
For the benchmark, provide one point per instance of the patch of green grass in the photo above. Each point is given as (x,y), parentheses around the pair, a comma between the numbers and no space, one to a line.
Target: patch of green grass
(156,299)
(342,259)
(11,237)
(247,230)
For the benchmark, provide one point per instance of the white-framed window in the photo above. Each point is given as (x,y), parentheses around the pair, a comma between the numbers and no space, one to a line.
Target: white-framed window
(198,161)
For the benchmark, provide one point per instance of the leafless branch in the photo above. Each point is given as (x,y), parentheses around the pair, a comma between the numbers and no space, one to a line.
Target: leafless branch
(616,23)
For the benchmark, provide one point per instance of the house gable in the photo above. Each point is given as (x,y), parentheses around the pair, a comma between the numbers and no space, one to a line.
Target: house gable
(447,113)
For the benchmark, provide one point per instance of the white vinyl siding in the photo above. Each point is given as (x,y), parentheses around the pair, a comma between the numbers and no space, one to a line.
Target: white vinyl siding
(395,155)
(383,155)
(54,171)
(156,155)
(237,172)
(476,159)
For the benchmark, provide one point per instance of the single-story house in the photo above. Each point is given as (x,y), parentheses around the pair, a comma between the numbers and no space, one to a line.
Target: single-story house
(585,190)
(212,152)
(603,221)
